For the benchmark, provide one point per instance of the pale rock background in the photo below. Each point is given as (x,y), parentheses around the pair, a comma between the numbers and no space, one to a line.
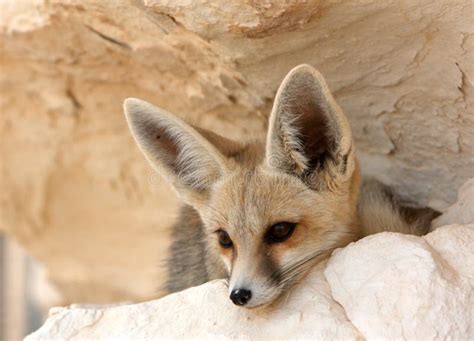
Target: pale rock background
(462,211)
(78,195)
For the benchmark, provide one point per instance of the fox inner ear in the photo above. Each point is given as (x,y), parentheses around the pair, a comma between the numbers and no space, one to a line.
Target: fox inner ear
(308,135)
(176,150)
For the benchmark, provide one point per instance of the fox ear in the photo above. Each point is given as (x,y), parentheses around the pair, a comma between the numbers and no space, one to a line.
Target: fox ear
(309,135)
(185,156)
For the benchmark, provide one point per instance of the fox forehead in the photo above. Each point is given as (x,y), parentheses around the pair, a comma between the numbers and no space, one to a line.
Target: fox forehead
(252,200)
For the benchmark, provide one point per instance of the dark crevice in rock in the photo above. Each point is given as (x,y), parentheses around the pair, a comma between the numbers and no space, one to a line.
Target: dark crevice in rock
(109,39)
(70,94)
(463,85)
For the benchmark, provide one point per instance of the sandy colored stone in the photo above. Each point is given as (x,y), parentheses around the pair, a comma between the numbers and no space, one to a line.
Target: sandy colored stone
(75,190)
(387,286)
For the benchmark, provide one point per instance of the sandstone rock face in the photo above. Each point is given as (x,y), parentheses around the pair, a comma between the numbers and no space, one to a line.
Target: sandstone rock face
(75,190)
(386,286)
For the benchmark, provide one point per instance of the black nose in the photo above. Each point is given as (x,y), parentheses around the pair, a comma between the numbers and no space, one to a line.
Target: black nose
(240,296)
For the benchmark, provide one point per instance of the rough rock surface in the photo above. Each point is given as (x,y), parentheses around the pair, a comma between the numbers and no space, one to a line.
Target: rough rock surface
(78,195)
(419,288)
(462,211)
(386,286)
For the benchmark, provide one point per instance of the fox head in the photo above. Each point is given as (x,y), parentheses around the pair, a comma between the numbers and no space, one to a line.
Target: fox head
(271,208)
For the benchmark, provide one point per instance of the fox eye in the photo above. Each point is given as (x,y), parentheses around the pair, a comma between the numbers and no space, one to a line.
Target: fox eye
(279,232)
(224,239)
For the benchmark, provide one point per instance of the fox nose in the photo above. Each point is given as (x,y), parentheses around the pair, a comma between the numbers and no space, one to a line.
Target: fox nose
(240,296)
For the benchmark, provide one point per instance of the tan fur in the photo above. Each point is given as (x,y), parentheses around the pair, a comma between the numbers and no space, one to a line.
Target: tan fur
(304,173)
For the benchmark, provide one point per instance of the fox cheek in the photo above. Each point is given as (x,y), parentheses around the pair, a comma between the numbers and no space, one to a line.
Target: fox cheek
(226,256)
(228,264)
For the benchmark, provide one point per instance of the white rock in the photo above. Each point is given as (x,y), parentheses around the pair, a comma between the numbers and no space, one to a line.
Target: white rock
(393,285)
(206,311)
(383,286)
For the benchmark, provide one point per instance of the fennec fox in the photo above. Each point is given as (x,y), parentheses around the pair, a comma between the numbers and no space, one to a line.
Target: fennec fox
(261,213)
